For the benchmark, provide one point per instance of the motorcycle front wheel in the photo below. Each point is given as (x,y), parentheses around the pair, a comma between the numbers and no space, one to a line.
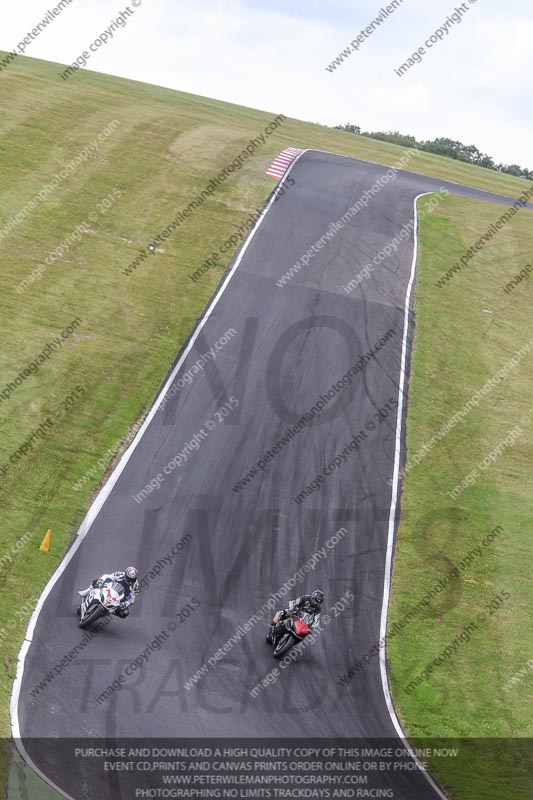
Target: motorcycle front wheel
(93,614)
(283,646)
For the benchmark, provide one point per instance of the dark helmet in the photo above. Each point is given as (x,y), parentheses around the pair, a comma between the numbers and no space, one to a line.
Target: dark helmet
(317,598)
(131,574)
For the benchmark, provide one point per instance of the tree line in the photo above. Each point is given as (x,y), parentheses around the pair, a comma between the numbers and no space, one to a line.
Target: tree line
(442,147)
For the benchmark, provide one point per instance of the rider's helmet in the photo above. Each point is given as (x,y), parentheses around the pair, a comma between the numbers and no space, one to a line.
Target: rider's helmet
(317,598)
(131,574)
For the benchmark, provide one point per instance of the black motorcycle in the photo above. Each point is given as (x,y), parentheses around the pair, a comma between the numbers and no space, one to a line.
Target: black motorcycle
(290,631)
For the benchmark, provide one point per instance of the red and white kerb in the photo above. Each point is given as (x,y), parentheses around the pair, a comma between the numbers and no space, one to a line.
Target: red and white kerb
(282,161)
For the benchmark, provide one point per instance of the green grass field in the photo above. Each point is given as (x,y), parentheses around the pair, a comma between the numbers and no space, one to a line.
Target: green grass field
(465,332)
(162,151)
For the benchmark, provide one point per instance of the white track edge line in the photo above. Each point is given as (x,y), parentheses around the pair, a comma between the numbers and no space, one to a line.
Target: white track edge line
(392,516)
(106,491)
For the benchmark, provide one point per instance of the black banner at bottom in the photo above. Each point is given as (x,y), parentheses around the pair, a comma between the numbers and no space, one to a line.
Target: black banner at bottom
(423,769)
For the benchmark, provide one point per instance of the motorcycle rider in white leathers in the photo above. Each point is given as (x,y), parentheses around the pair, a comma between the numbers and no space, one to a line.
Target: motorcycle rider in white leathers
(128,580)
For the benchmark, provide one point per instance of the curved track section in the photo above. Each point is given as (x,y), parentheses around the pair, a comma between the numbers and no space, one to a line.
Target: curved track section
(212,551)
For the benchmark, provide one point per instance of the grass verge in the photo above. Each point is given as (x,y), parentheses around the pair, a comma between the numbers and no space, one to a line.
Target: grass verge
(472,543)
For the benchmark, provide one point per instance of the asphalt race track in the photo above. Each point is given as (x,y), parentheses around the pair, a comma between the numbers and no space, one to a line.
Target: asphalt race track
(290,345)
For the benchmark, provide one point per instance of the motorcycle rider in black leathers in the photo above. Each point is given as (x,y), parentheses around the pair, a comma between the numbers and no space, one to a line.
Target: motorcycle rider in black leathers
(308,603)
(128,580)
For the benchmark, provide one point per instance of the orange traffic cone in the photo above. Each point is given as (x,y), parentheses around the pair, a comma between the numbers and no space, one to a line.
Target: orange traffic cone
(45,544)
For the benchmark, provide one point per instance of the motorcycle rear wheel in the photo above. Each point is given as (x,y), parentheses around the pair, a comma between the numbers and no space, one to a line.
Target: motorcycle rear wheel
(95,613)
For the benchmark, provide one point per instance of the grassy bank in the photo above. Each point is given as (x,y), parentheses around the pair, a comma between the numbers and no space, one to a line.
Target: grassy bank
(87,394)
(465,332)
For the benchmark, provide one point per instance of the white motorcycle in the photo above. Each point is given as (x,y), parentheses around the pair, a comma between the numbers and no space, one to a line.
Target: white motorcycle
(101,601)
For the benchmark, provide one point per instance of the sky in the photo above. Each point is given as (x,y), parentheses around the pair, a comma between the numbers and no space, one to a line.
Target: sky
(474,84)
